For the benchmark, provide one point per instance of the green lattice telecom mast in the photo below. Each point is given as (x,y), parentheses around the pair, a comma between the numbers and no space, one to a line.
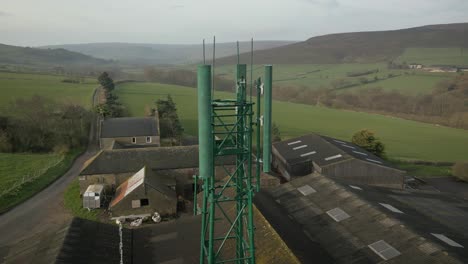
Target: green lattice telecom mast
(226,128)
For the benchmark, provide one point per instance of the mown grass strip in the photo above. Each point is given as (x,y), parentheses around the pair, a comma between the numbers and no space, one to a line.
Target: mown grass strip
(29,189)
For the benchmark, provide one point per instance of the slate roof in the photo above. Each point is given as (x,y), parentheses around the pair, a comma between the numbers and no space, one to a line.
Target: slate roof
(323,151)
(132,160)
(129,127)
(351,221)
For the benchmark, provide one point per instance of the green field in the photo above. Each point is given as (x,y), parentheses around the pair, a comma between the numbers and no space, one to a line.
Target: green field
(410,84)
(21,85)
(435,56)
(404,139)
(425,171)
(13,167)
(316,76)
(311,75)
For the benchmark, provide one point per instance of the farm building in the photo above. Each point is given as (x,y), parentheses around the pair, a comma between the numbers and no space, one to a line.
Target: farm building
(334,158)
(129,132)
(113,167)
(415,66)
(144,195)
(175,241)
(345,223)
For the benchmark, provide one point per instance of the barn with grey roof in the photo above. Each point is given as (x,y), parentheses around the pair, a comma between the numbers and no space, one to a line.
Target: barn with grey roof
(367,224)
(334,158)
(128,132)
(114,167)
(173,165)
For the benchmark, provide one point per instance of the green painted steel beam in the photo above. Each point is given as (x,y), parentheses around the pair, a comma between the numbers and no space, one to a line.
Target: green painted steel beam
(267,118)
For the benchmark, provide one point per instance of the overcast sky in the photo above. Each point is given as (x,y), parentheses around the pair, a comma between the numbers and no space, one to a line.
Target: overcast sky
(43,22)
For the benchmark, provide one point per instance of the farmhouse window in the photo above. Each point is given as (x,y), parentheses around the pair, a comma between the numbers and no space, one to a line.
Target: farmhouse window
(134,140)
(148,139)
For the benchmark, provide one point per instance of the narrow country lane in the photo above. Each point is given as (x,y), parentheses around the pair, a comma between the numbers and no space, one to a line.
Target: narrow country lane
(44,212)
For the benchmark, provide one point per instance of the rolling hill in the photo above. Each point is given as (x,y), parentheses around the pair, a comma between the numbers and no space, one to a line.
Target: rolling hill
(161,54)
(359,47)
(45,57)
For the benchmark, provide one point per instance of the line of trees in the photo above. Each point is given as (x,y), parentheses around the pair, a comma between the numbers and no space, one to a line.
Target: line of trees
(112,107)
(447,105)
(38,124)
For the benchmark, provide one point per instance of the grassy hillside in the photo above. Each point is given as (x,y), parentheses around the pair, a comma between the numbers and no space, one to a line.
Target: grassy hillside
(435,56)
(163,53)
(404,139)
(361,46)
(56,57)
(16,85)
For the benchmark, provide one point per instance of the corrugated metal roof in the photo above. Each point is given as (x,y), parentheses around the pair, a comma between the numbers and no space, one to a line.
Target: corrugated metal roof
(138,179)
(119,193)
(323,151)
(129,127)
(135,181)
(356,151)
(309,148)
(411,234)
